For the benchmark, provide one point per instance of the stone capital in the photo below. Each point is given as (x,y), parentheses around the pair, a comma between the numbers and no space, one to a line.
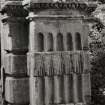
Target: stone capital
(13,8)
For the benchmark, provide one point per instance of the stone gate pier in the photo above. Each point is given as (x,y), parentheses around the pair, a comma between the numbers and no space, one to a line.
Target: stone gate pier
(14,46)
(45,52)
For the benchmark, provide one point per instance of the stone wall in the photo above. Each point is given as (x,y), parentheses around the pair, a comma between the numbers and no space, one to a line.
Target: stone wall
(46,43)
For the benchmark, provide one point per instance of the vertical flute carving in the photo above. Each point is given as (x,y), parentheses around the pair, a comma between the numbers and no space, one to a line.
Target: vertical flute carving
(68,88)
(58,78)
(49,80)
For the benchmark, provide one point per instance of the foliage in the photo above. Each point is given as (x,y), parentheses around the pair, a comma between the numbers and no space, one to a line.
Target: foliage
(98,78)
(97,55)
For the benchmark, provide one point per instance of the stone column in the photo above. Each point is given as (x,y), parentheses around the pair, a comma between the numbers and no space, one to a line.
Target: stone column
(15,46)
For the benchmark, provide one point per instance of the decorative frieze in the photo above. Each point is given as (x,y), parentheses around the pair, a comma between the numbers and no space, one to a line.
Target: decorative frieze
(82,7)
(16,65)
(57,63)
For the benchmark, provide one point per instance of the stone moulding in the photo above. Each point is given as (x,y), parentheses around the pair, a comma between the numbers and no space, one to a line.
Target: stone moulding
(6,19)
(62,17)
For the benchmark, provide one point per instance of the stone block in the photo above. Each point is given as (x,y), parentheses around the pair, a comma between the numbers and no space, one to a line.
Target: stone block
(17,90)
(16,64)
(15,36)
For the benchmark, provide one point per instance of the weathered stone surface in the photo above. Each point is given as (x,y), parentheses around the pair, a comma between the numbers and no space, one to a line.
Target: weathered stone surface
(37,87)
(58,4)
(15,36)
(40,29)
(75,88)
(68,88)
(16,64)
(49,90)
(80,88)
(56,63)
(17,90)
(86,88)
(86,63)
(49,42)
(58,89)
(36,64)
(85,37)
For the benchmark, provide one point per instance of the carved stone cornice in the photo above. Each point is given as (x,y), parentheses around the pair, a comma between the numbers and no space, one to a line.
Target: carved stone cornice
(13,8)
(80,6)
